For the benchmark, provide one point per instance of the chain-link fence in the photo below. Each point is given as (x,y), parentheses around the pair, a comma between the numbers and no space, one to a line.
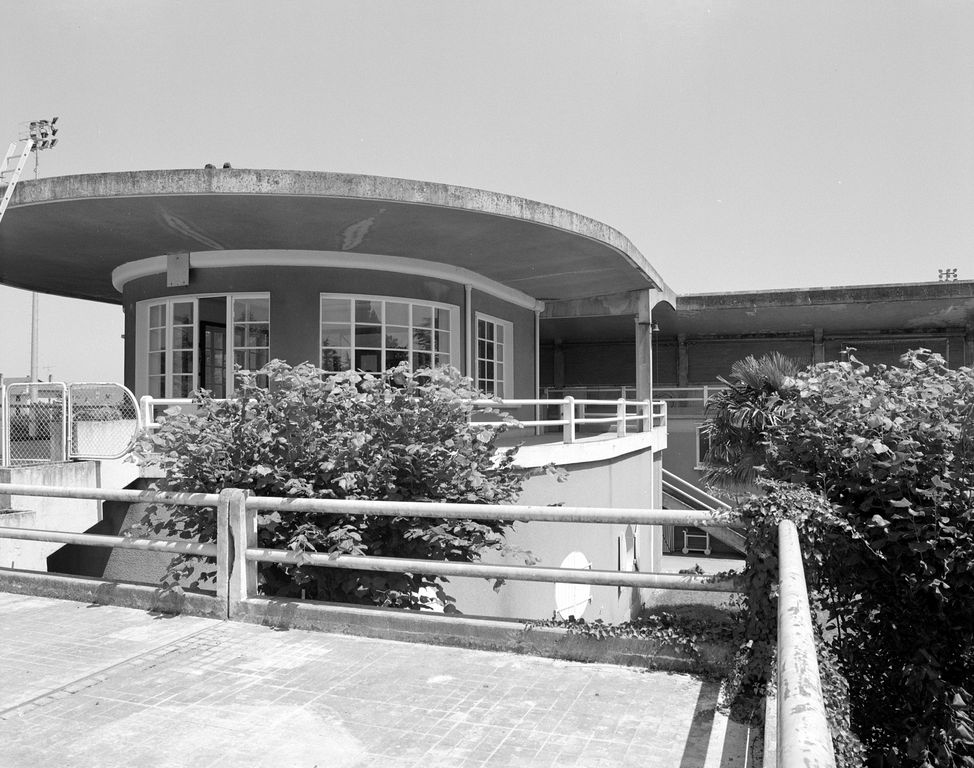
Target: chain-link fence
(34,423)
(103,420)
(52,421)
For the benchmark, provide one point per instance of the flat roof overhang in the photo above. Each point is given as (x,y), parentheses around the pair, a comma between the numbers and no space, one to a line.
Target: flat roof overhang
(65,235)
(901,307)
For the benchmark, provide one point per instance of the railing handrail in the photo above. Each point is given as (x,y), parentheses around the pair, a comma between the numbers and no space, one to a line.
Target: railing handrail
(648,414)
(425,509)
(690,489)
(237,510)
(802,729)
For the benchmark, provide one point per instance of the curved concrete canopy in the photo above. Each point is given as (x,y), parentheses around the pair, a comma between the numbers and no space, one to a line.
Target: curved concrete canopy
(65,235)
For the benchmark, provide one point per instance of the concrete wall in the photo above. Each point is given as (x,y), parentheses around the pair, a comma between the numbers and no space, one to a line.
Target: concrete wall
(620,482)
(73,515)
(294,306)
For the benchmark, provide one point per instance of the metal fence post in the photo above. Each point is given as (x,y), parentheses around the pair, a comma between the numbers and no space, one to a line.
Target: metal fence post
(803,731)
(621,418)
(242,579)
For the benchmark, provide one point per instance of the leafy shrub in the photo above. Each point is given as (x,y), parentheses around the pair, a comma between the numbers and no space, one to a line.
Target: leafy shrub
(892,451)
(402,436)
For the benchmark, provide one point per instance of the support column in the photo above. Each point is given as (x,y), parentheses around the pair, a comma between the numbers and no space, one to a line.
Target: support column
(558,374)
(969,344)
(818,346)
(651,535)
(682,362)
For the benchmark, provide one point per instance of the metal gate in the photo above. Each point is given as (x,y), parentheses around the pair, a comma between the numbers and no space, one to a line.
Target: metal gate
(53,421)
(34,423)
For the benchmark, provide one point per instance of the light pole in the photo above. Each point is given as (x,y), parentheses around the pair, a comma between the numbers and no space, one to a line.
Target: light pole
(43,135)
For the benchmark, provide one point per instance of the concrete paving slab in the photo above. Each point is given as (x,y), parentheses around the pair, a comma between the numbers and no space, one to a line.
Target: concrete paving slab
(85,685)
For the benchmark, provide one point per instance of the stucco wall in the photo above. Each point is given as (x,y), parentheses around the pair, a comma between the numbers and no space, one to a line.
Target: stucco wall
(622,482)
(294,305)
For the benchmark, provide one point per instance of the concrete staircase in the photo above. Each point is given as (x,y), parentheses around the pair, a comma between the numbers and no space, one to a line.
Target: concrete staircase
(680,494)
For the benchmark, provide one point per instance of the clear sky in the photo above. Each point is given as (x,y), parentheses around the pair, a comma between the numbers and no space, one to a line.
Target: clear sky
(739,145)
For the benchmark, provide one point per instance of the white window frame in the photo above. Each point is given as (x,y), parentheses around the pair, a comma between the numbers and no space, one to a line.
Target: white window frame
(142,336)
(507,349)
(454,330)
(700,456)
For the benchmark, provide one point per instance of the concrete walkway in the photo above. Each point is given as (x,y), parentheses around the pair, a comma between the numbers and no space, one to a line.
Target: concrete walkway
(85,685)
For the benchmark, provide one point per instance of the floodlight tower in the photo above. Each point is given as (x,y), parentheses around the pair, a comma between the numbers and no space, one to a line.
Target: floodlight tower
(37,135)
(43,134)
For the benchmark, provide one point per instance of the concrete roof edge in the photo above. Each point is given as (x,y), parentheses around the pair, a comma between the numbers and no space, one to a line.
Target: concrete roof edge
(250,181)
(961,289)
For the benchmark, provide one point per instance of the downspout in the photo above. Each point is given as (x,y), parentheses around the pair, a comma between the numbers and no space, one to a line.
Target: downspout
(468,294)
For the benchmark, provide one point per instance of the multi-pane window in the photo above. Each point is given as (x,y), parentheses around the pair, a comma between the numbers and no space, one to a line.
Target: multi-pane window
(494,347)
(183,348)
(187,342)
(373,334)
(251,332)
(158,346)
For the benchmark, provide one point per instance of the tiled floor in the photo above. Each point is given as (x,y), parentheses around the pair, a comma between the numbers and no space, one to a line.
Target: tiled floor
(103,686)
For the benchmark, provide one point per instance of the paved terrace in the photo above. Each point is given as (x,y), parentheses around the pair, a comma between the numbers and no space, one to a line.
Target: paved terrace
(87,685)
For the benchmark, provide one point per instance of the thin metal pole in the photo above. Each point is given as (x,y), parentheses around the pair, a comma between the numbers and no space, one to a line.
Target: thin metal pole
(33,337)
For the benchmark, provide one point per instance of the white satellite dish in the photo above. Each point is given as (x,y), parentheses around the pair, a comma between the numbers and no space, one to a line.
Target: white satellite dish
(573,599)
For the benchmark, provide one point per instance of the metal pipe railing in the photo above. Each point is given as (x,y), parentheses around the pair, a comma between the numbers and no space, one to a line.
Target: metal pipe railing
(512,572)
(202,549)
(511,512)
(803,730)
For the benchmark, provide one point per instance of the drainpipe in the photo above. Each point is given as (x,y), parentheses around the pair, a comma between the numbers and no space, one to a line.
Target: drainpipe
(468,294)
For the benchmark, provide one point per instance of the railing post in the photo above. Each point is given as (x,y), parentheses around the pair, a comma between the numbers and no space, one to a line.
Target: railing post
(621,417)
(145,408)
(224,550)
(803,731)
(242,579)
(568,415)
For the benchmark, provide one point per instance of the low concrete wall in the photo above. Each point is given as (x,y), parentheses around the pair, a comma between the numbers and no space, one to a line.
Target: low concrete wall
(619,482)
(106,592)
(484,633)
(45,513)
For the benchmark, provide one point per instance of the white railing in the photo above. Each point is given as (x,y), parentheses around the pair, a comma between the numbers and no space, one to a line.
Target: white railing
(642,415)
(692,398)
(689,398)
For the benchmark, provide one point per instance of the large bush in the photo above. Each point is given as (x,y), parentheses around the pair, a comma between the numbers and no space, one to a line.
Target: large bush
(402,436)
(892,451)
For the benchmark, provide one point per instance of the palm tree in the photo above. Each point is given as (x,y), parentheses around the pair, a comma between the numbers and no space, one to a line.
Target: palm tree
(738,417)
